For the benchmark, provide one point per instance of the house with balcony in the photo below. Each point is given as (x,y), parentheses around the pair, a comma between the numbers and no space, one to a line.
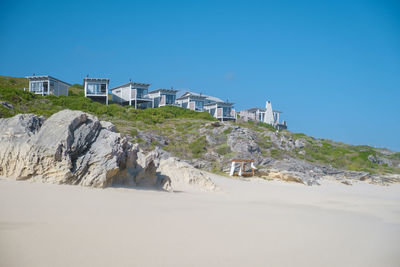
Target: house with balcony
(162,97)
(220,110)
(266,115)
(195,101)
(215,106)
(133,94)
(47,85)
(253,114)
(190,100)
(96,89)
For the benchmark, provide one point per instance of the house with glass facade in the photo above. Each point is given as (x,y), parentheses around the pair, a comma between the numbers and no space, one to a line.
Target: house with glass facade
(253,114)
(96,89)
(47,85)
(221,110)
(215,106)
(162,97)
(133,94)
(194,101)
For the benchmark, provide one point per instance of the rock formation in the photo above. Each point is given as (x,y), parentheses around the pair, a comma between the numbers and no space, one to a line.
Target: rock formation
(72,147)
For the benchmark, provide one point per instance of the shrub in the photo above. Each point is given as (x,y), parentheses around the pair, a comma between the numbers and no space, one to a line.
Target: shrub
(134,132)
(266,125)
(198,147)
(228,131)
(223,149)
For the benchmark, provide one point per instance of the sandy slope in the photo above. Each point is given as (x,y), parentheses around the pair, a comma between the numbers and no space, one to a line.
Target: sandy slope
(254,223)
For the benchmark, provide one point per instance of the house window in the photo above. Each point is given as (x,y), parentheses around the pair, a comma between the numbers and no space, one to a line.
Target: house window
(36,87)
(199,105)
(226,111)
(170,99)
(103,88)
(140,92)
(96,88)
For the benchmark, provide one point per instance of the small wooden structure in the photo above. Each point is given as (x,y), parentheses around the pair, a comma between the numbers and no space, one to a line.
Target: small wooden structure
(242,171)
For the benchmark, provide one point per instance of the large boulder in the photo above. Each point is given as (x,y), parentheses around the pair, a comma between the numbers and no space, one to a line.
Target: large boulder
(71,147)
(184,176)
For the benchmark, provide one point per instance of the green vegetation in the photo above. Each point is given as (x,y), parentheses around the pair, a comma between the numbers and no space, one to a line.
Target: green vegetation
(228,131)
(198,147)
(395,156)
(268,126)
(223,149)
(76,90)
(13,82)
(276,154)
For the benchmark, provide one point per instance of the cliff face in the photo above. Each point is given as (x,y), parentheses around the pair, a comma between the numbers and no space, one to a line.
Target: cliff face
(70,147)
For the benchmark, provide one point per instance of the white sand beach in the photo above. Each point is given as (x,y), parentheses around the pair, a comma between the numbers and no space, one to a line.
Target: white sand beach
(257,223)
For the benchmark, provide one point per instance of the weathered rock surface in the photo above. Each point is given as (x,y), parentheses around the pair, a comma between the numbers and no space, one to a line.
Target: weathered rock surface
(183,174)
(71,147)
(379,160)
(296,170)
(6,104)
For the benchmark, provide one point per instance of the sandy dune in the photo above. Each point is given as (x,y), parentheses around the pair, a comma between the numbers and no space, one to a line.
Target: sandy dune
(254,223)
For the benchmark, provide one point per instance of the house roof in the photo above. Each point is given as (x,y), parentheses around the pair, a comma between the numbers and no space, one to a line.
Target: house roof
(45,77)
(169,91)
(211,98)
(219,103)
(191,94)
(261,109)
(255,109)
(96,79)
(135,84)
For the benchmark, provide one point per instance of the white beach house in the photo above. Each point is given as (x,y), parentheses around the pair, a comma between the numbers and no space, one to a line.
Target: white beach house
(191,101)
(215,106)
(221,110)
(133,94)
(96,89)
(195,101)
(266,115)
(47,85)
(162,97)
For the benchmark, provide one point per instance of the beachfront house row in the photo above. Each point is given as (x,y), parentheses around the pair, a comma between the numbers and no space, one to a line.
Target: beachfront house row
(162,97)
(133,94)
(266,115)
(47,85)
(96,89)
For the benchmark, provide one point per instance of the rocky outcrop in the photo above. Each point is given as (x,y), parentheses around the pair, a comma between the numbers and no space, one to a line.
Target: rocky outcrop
(295,170)
(380,160)
(181,175)
(184,175)
(71,147)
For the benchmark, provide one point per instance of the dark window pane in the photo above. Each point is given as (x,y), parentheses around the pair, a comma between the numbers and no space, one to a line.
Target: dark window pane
(103,88)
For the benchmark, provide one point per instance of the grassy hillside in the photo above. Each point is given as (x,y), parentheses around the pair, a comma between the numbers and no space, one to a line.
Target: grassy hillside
(76,90)
(13,82)
(183,132)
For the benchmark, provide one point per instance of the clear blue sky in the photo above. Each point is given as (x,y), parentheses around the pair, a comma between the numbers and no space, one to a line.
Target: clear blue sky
(333,67)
